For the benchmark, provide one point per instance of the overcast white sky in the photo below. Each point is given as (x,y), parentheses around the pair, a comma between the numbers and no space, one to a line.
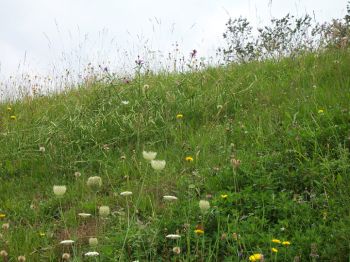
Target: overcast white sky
(64,33)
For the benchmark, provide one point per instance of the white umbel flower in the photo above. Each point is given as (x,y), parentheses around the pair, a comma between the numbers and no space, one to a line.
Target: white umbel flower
(59,190)
(126,193)
(104,211)
(204,205)
(170,198)
(149,155)
(84,215)
(158,164)
(67,242)
(92,254)
(173,236)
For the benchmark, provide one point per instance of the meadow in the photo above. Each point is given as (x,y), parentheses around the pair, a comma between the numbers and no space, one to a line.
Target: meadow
(252,164)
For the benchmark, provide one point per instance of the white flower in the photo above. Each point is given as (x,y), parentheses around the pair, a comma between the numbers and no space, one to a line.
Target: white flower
(149,155)
(173,236)
(104,211)
(67,242)
(125,102)
(170,198)
(93,241)
(158,164)
(204,205)
(126,193)
(94,182)
(92,254)
(59,190)
(42,149)
(84,215)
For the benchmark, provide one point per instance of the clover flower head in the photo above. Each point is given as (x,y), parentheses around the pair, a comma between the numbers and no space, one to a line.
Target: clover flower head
(204,205)
(94,182)
(149,155)
(104,211)
(59,190)
(93,241)
(158,164)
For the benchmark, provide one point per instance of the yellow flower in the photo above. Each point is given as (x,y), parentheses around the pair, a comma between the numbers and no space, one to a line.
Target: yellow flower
(189,159)
(224,196)
(256,257)
(2,215)
(274,250)
(179,116)
(320,111)
(9,109)
(199,231)
(42,234)
(286,243)
(277,241)
(13,117)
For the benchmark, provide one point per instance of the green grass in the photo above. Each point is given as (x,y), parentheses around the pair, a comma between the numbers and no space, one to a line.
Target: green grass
(292,183)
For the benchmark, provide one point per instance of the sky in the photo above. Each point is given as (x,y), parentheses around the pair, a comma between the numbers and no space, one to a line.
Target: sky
(41,36)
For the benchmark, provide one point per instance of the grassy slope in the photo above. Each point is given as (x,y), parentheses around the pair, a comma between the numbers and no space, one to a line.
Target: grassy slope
(294,172)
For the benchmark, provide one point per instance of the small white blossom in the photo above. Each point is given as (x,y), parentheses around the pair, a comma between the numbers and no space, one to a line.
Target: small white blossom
(125,102)
(92,254)
(173,236)
(170,198)
(67,242)
(84,215)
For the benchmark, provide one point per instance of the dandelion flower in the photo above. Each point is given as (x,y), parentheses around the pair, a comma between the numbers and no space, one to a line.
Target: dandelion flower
(199,231)
(177,250)
(173,236)
(84,215)
(94,182)
(77,174)
(224,196)
(126,193)
(274,250)
(170,198)
(42,234)
(93,241)
(189,159)
(276,241)
(149,155)
(9,108)
(179,116)
(2,215)
(104,211)
(320,111)
(204,205)
(13,117)
(158,164)
(256,257)
(67,242)
(286,243)
(92,254)
(59,190)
